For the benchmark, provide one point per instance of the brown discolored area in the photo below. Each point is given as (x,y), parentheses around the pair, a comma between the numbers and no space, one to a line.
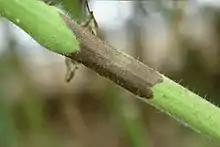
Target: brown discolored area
(107,61)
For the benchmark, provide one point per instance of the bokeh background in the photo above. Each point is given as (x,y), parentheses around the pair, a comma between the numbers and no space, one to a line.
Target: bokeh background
(181,39)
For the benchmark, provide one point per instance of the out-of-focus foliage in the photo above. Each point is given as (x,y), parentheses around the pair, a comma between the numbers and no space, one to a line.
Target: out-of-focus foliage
(37,108)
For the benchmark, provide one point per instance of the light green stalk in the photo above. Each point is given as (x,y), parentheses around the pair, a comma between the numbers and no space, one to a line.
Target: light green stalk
(42,22)
(187,107)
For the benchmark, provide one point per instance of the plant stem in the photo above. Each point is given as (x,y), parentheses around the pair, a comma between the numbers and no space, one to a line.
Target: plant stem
(168,96)
(43,23)
(187,107)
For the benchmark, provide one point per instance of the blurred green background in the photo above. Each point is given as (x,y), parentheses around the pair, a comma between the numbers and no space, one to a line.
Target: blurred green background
(38,109)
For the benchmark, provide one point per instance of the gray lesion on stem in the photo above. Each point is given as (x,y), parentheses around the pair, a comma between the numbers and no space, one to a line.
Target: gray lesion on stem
(108,62)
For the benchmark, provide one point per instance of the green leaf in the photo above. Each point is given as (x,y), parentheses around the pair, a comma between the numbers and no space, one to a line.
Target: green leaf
(42,22)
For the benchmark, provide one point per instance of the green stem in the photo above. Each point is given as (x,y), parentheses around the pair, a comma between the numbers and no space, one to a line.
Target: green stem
(187,107)
(42,22)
